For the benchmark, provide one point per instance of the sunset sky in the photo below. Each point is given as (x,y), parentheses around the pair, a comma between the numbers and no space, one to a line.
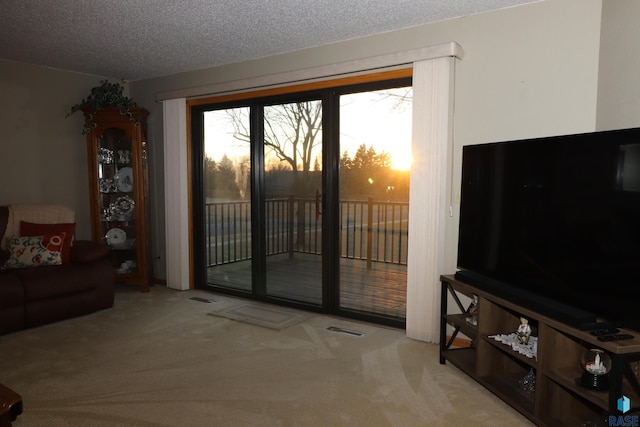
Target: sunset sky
(366,118)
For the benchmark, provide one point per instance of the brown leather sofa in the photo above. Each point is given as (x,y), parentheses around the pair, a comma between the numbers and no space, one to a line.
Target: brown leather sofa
(35,296)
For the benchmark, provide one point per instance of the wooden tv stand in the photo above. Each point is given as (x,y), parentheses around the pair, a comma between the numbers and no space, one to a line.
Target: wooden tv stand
(558,398)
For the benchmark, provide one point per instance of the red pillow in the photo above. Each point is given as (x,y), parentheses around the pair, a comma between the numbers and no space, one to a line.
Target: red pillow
(33,229)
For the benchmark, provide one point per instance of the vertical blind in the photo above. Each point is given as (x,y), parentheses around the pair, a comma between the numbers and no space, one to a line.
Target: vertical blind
(428,204)
(176,184)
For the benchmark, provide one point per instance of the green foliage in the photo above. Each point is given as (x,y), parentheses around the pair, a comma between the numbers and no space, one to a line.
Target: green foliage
(369,174)
(105,95)
(220,178)
(365,158)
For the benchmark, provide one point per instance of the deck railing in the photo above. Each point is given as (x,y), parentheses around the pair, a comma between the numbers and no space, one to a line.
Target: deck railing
(370,230)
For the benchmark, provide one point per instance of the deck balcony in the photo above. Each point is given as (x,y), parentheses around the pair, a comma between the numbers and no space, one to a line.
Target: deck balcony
(372,247)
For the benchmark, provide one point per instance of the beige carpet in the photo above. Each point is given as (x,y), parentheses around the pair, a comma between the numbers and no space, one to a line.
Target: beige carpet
(158,359)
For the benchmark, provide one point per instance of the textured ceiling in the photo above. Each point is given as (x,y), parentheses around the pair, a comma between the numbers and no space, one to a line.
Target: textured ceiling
(139,39)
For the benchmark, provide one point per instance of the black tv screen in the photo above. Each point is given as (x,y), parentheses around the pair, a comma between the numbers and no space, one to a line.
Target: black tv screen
(556,220)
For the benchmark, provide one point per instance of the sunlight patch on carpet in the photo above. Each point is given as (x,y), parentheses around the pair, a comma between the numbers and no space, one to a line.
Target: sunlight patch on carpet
(262,315)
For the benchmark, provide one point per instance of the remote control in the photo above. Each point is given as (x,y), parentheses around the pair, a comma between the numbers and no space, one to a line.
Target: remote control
(606,331)
(615,337)
(597,325)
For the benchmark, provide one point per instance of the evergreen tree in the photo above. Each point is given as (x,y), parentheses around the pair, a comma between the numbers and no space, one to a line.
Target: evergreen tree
(225,179)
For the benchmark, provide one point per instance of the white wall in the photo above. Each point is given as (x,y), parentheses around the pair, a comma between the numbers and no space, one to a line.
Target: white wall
(618,84)
(528,71)
(43,156)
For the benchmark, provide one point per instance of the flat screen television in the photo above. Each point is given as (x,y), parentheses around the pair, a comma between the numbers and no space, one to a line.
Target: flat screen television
(554,224)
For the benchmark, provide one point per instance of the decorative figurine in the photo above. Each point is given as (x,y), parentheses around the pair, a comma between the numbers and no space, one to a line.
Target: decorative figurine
(596,364)
(528,382)
(524,331)
(472,312)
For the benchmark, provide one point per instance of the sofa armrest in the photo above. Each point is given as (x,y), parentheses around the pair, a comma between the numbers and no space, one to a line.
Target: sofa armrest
(88,251)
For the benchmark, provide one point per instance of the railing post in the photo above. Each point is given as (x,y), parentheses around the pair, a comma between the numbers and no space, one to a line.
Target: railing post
(369,231)
(290,225)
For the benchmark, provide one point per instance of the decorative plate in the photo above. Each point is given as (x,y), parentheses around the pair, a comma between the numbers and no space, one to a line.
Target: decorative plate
(124,180)
(106,185)
(122,206)
(116,236)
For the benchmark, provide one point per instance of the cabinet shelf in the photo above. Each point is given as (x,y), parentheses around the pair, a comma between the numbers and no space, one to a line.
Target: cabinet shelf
(510,351)
(569,379)
(558,399)
(463,358)
(506,387)
(459,321)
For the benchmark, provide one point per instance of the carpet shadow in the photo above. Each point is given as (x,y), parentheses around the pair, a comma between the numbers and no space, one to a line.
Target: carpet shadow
(262,315)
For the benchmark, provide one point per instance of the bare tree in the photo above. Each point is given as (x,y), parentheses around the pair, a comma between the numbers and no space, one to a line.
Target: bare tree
(291,131)
(402,97)
(292,137)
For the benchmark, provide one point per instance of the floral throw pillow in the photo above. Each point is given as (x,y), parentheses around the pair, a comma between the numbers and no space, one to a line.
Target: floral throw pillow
(35,229)
(33,251)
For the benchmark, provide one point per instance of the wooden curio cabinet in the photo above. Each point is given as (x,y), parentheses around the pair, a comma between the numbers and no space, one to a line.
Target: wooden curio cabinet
(119,189)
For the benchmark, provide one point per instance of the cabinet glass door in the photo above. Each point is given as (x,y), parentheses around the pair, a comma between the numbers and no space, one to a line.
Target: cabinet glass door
(117,200)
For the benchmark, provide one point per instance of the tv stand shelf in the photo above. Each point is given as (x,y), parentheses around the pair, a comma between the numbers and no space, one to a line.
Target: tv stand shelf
(558,398)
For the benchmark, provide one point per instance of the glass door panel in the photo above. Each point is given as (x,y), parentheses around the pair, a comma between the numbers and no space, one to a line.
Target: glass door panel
(293,200)
(374,200)
(227,192)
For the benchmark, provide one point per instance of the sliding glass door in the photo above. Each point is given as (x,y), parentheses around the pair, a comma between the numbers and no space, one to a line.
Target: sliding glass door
(305,199)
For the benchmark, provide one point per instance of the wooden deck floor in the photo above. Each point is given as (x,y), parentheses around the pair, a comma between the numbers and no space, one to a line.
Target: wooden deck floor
(379,290)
